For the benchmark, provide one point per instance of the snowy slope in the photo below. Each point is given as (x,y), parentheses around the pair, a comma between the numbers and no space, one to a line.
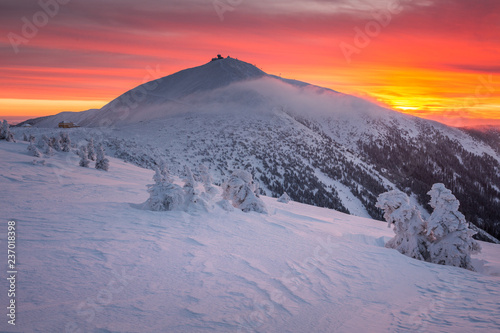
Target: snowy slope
(90,261)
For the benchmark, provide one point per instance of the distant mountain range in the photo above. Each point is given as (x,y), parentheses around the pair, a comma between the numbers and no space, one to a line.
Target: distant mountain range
(320,146)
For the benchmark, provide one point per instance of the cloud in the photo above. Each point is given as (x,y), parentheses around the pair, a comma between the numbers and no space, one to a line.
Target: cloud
(476,68)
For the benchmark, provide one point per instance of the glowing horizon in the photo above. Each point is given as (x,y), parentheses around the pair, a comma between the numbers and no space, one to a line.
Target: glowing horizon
(417,57)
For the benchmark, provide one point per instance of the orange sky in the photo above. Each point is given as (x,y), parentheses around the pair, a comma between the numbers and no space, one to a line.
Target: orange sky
(435,59)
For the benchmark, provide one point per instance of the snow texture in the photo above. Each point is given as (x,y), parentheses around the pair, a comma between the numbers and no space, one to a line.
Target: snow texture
(91,261)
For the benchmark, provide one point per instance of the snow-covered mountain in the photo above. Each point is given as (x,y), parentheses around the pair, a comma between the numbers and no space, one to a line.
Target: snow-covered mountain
(90,260)
(320,146)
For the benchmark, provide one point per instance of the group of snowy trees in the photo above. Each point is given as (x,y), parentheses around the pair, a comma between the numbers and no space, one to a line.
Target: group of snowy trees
(444,239)
(5,133)
(62,143)
(48,145)
(240,191)
(88,153)
(164,195)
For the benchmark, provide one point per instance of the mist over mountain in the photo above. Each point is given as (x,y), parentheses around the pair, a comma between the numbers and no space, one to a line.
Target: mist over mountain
(320,146)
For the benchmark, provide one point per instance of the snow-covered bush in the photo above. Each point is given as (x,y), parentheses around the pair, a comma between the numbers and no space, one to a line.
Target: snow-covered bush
(91,150)
(163,194)
(101,163)
(65,142)
(34,150)
(84,159)
(451,239)
(240,190)
(284,198)
(409,227)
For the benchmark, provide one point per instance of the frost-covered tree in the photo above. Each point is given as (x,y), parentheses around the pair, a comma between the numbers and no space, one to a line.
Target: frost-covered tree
(65,142)
(207,180)
(84,159)
(410,229)
(5,133)
(48,150)
(189,181)
(25,137)
(451,239)
(101,163)
(91,150)
(284,198)
(240,190)
(34,150)
(165,172)
(193,200)
(43,141)
(164,195)
(55,143)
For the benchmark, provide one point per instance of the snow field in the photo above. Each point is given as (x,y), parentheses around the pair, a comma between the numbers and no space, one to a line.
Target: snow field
(91,261)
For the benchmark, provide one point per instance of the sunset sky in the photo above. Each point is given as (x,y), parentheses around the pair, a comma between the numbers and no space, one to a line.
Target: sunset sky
(438,59)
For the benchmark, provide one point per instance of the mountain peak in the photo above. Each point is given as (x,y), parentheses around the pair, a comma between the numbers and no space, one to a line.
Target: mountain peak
(232,69)
(219,72)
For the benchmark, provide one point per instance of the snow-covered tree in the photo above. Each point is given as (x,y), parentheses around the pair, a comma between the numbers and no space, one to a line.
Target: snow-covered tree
(5,133)
(410,229)
(55,143)
(451,239)
(25,138)
(48,150)
(43,142)
(165,172)
(207,180)
(91,149)
(34,150)
(193,200)
(84,159)
(240,190)
(102,163)
(65,142)
(163,194)
(284,198)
